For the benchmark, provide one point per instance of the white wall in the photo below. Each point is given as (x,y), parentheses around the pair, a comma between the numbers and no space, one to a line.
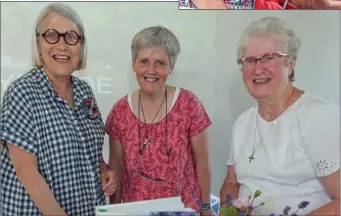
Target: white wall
(205,66)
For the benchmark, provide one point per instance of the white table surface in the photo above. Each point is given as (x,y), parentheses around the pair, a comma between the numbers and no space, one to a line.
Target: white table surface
(143,207)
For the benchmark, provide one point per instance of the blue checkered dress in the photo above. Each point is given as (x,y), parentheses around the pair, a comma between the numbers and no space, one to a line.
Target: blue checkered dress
(66,142)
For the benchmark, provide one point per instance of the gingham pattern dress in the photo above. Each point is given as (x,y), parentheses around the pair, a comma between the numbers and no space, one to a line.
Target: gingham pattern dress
(66,142)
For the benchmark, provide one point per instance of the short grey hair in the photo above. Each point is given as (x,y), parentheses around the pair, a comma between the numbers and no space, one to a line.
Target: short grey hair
(275,28)
(156,36)
(64,11)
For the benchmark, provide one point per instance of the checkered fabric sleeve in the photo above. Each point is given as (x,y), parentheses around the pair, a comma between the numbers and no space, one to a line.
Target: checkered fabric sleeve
(17,125)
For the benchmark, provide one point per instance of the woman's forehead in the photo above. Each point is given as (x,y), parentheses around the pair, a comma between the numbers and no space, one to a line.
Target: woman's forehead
(58,22)
(259,45)
(152,52)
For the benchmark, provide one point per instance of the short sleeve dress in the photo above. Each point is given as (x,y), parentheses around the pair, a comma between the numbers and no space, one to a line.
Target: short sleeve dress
(186,118)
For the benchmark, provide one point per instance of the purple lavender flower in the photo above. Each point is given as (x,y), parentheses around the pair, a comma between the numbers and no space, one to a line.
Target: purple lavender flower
(272,214)
(286,210)
(303,204)
(251,208)
(228,200)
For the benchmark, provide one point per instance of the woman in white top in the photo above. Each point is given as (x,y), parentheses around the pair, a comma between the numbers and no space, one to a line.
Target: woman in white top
(288,145)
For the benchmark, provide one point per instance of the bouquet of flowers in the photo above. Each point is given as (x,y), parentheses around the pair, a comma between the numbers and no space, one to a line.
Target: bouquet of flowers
(241,206)
(238,207)
(245,207)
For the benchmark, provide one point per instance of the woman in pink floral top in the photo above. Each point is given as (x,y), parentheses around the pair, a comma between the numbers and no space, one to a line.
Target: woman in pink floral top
(158,136)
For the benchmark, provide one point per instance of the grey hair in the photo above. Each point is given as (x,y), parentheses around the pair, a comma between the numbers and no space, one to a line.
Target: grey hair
(64,11)
(275,28)
(156,36)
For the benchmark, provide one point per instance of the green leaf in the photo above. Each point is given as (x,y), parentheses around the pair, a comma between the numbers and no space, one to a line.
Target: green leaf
(257,193)
(262,203)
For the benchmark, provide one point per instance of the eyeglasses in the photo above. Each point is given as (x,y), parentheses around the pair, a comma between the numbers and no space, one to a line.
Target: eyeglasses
(143,175)
(267,60)
(52,36)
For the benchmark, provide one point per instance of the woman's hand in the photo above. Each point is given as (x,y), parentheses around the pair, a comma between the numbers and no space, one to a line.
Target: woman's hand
(230,185)
(109,181)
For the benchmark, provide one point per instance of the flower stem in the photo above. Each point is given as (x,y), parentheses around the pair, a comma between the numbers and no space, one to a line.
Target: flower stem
(253,199)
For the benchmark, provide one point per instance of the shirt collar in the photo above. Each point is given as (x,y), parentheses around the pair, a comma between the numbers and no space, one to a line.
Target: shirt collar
(50,91)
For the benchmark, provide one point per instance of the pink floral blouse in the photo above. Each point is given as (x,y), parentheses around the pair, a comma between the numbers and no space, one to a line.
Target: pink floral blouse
(186,119)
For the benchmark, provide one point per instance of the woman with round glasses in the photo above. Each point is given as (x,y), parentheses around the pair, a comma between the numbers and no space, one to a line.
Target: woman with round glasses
(51,129)
(288,145)
(158,134)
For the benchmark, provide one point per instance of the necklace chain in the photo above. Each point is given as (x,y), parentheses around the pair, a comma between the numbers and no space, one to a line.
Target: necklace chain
(144,118)
(251,157)
(141,148)
(260,136)
(139,128)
